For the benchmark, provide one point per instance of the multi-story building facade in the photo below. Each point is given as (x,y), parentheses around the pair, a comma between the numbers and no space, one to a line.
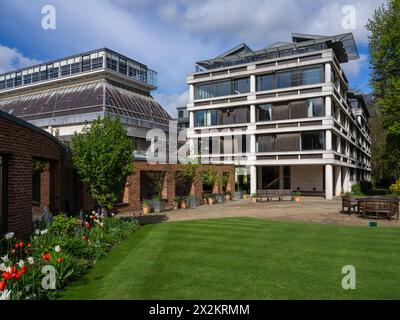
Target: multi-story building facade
(183,117)
(289,112)
(61,96)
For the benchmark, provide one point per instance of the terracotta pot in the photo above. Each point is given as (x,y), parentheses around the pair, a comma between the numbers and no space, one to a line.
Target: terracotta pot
(254,199)
(227,197)
(183,205)
(210,201)
(146,209)
(297,198)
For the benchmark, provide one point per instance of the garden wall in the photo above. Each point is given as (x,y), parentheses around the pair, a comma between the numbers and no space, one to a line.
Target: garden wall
(20,144)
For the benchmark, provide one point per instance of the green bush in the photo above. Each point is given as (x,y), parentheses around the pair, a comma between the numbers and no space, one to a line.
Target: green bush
(395,187)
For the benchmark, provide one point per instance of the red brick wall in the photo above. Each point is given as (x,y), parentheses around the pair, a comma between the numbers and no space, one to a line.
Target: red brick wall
(20,144)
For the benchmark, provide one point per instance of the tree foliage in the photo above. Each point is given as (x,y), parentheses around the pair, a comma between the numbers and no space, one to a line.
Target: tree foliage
(384,47)
(103,156)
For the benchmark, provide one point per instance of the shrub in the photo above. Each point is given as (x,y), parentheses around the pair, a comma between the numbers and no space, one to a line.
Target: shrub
(356,188)
(395,187)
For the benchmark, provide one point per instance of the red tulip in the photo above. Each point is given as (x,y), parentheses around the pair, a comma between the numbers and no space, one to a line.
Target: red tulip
(18,275)
(6,275)
(23,270)
(21,244)
(60,260)
(46,257)
(2,285)
(29,245)
(16,245)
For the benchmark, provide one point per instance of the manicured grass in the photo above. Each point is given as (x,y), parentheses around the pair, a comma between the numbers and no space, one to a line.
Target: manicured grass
(246,258)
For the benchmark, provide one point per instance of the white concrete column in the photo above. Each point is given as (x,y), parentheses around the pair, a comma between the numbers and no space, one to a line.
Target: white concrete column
(253,179)
(328,73)
(338,143)
(191,119)
(252,143)
(253,83)
(191,92)
(338,180)
(252,113)
(328,140)
(346,180)
(328,106)
(328,182)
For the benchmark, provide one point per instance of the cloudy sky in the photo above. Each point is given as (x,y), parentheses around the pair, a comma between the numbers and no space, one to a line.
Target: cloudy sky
(170,36)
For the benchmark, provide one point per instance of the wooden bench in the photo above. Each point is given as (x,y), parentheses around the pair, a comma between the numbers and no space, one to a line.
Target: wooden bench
(349,203)
(379,207)
(271,194)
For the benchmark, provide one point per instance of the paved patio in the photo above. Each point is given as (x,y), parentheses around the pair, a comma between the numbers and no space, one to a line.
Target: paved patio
(310,210)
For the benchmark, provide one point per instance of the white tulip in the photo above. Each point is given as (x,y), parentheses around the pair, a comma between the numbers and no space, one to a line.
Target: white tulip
(44,231)
(2,267)
(5,258)
(5,295)
(57,248)
(31,260)
(9,235)
(21,263)
(37,231)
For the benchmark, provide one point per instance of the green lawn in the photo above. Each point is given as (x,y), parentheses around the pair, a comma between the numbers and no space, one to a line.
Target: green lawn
(246,258)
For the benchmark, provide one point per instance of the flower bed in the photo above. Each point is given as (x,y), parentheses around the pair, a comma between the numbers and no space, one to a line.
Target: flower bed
(60,250)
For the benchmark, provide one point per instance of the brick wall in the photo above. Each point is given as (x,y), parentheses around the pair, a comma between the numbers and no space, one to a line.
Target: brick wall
(20,144)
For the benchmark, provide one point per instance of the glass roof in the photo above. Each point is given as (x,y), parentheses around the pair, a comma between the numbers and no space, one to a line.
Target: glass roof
(82,99)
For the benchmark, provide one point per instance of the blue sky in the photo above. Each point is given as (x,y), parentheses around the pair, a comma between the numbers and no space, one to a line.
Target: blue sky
(170,36)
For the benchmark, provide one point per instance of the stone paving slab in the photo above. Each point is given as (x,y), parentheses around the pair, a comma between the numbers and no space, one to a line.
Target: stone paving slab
(309,210)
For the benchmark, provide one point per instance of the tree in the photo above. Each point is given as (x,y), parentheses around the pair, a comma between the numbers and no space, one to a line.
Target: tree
(384,47)
(103,157)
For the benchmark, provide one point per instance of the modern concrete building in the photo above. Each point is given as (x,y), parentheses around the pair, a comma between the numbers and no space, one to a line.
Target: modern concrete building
(289,112)
(60,96)
(183,117)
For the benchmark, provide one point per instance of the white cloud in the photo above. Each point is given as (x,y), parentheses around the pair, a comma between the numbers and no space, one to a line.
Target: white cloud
(354,68)
(11,59)
(265,21)
(171,101)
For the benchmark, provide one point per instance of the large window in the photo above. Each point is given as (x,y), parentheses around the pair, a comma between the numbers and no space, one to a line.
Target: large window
(221,116)
(278,142)
(296,109)
(221,88)
(264,112)
(299,77)
(205,118)
(313,140)
(266,82)
(316,107)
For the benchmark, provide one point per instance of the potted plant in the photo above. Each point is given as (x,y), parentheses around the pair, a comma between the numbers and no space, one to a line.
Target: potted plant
(227,195)
(205,198)
(158,203)
(184,203)
(176,202)
(254,197)
(219,197)
(211,199)
(191,172)
(297,196)
(146,206)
